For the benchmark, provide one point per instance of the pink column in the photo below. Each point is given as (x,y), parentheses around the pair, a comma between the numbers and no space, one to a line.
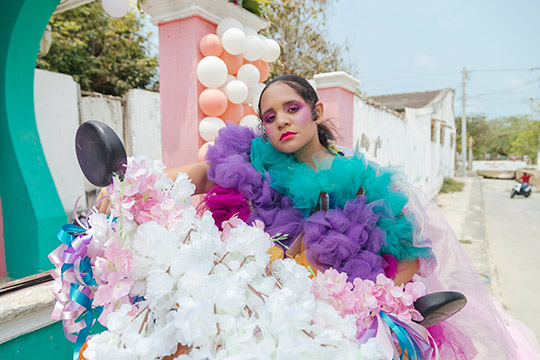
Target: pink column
(3,271)
(182,24)
(180,114)
(337,91)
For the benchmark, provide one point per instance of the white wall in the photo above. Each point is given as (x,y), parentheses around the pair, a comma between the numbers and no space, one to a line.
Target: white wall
(143,124)
(404,140)
(56,104)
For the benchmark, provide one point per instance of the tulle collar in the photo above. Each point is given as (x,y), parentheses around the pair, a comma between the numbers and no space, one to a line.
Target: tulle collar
(302,182)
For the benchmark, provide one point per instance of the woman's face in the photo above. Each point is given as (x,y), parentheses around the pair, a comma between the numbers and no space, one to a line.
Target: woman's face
(288,121)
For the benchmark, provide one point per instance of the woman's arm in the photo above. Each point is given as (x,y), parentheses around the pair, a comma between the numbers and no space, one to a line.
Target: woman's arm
(197,172)
(405,271)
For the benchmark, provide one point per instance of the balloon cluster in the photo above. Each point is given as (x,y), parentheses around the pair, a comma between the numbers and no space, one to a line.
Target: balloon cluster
(233,70)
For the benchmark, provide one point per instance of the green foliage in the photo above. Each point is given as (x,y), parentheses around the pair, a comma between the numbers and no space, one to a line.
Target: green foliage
(450,185)
(253,6)
(507,136)
(103,54)
(299,27)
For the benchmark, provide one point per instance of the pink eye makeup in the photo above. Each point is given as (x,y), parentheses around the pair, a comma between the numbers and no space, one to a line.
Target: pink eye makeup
(292,108)
(269,117)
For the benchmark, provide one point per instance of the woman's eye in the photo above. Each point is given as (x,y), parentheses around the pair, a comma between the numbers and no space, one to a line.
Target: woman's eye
(269,119)
(293,109)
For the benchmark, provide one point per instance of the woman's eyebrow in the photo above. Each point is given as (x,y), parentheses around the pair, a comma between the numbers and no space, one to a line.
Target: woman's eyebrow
(287,103)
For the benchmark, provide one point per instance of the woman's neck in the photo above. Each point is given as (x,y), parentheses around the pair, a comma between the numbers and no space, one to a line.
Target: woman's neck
(314,158)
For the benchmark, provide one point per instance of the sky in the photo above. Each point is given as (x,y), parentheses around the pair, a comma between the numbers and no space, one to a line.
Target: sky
(401,46)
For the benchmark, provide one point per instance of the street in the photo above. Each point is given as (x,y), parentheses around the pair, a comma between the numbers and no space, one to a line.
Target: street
(513,232)
(502,238)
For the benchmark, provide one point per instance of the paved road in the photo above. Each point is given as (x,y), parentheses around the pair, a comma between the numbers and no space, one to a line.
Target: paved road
(513,233)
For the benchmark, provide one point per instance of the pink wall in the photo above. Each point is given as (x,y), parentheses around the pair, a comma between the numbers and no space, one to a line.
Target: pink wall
(339,108)
(3,271)
(179,88)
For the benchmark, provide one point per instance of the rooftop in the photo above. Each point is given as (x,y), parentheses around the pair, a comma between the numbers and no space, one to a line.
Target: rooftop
(416,100)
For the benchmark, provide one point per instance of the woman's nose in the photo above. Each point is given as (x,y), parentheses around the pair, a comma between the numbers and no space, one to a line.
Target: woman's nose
(283,120)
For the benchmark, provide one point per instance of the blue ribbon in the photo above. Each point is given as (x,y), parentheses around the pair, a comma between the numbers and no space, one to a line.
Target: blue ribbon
(77,247)
(404,339)
(65,234)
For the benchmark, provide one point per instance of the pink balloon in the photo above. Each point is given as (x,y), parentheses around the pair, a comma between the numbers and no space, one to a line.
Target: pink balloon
(203,150)
(248,110)
(234,113)
(233,62)
(264,69)
(210,45)
(213,102)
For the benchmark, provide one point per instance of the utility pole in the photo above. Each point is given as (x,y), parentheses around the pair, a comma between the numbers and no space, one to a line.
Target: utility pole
(463,127)
(532,108)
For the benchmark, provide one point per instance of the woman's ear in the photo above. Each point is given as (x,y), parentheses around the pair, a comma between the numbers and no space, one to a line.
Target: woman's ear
(319,110)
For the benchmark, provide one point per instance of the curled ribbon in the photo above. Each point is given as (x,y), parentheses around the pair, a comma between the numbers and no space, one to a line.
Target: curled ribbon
(73,284)
(415,339)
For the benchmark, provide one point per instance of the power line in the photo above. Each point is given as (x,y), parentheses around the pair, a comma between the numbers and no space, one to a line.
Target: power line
(506,70)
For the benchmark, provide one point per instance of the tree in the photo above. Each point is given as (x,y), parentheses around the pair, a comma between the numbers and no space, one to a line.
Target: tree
(103,54)
(513,135)
(527,142)
(298,25)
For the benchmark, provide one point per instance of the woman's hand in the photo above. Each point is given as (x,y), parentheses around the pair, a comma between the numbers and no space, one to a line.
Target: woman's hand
(104,204)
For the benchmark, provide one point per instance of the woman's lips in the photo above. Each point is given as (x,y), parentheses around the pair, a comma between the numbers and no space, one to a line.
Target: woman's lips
(286,136)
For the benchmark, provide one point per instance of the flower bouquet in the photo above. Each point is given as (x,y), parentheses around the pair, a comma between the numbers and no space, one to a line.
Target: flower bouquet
(167,283)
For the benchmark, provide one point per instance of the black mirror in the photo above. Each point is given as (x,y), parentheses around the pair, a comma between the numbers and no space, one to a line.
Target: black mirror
(439,306)
(100,153)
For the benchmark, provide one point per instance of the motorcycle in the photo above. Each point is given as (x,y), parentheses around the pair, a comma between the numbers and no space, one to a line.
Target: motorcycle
(521,189)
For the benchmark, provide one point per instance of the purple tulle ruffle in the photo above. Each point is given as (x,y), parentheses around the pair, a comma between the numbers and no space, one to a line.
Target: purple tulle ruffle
(347,240)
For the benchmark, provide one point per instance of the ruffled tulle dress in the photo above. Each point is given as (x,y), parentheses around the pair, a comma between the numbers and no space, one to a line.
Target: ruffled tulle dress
(352,215)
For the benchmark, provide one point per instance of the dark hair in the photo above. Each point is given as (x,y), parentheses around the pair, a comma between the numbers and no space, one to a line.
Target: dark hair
(308,93)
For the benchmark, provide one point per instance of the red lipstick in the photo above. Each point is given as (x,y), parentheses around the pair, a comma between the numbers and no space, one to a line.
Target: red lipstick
(287,135)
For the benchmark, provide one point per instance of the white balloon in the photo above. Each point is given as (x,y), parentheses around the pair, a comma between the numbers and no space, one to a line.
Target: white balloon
(271,50)
(229,79)
(115,8)
(236,91)
(249,74)
(255,93)
(212,72)
(209,127)
(250,121)
(226,24)
(233,41)
(250,31)
(253,48)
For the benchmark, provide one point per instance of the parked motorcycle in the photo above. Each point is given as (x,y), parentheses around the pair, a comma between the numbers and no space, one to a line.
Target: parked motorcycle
(521,189)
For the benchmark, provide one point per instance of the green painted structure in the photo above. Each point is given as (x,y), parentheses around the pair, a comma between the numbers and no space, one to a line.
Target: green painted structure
(31,209)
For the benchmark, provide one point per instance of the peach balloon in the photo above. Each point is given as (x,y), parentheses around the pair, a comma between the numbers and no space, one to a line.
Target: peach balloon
(233,62)
(203,150)
(248,110)
(234,113)
(264,69)
(213,102)
(210,45)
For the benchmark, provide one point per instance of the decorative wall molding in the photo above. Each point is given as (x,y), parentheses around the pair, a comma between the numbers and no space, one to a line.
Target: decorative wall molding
(66,5)
(337,79)
(214,11)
